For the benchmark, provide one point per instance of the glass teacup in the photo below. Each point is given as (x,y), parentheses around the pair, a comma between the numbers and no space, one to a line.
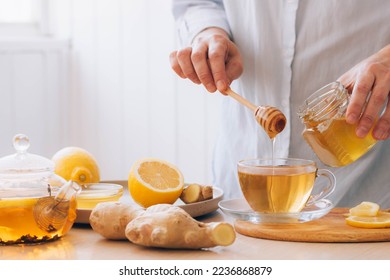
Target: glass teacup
(282,185)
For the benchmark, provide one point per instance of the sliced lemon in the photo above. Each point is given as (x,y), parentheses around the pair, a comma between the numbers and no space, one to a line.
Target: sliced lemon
(154,181)
(382,220)
(76,164)
(365,209)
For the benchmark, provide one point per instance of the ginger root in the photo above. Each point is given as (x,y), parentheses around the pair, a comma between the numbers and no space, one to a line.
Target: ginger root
(161,225)
(168,226)
(110,219)
(196,193)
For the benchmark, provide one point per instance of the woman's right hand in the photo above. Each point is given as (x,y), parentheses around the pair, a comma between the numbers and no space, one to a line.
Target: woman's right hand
(213,60)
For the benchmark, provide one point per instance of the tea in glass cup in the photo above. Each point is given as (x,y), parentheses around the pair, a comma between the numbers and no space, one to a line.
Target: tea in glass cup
(281,185)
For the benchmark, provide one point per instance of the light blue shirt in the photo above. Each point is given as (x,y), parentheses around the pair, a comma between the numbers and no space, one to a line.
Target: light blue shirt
(290,49)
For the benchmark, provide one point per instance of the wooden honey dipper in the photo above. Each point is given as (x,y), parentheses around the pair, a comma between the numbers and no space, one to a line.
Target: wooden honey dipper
(270,118)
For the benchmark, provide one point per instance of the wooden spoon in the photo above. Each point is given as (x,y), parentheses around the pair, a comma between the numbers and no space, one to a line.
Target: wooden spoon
(270,118)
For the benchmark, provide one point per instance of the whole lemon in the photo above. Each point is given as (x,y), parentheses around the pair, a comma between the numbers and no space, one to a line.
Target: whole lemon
(76,164)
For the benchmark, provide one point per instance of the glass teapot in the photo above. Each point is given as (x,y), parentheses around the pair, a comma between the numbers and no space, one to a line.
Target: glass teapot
(36,205)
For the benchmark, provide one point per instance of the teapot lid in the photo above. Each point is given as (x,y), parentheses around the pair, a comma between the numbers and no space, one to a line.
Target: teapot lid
(23,162)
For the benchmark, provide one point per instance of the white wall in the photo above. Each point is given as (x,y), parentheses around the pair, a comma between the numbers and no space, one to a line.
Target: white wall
(33,93)
(124,100)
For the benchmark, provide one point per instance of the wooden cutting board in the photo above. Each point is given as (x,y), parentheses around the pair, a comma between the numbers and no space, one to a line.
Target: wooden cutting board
(330,228)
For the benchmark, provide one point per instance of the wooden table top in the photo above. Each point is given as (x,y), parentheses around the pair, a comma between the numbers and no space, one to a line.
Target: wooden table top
(82,243)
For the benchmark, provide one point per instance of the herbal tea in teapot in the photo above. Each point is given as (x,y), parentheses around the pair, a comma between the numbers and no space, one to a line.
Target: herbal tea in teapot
(36,205)
(25,220)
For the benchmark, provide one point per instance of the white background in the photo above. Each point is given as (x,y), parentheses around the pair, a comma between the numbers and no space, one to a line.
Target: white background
(281,270)
(102,81)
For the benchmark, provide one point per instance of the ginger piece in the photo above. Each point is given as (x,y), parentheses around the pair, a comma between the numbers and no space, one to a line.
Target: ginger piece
(167,226)
(110,219)
(207,192)
(196,193)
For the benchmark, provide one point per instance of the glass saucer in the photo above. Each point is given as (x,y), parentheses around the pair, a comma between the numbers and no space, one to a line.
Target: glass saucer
(240,209)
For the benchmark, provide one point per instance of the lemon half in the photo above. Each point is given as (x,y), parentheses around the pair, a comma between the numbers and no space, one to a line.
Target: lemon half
(155,181)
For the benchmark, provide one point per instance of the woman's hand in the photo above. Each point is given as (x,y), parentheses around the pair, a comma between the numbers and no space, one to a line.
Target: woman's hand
(213,60)
(369,85)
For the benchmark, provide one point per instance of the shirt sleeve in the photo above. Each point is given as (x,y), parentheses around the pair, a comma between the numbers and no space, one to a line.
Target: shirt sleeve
(194,16)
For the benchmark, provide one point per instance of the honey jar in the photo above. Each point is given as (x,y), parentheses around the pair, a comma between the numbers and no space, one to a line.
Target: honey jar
(326,131)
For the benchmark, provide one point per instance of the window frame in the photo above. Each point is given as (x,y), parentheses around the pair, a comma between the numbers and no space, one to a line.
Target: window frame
(38,28)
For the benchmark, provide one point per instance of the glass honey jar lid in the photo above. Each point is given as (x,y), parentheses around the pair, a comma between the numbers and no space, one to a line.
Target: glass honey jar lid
(22,163)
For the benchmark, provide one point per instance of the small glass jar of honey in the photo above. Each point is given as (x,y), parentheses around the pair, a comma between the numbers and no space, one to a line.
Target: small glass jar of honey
(332,139)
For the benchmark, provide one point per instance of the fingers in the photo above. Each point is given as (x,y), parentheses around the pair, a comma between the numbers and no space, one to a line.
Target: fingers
(234,67)
(175,64)
(225,63)
(367,101)
(217,58)
(183,65)
(201,59)
(194,64)
(213,60)
(359,97)
(202,64)
(369,83)
(375,104)
(382,128)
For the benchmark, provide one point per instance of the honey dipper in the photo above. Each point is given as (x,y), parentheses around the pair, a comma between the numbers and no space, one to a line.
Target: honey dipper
(270,118)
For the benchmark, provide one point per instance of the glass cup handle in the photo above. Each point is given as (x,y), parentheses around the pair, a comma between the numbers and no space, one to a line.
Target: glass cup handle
(327,190)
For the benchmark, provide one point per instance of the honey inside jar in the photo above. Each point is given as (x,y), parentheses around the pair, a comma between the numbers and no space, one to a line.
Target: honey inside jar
(329,135)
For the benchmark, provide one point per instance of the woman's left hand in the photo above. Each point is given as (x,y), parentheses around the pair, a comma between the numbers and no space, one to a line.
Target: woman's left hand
(369,85)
